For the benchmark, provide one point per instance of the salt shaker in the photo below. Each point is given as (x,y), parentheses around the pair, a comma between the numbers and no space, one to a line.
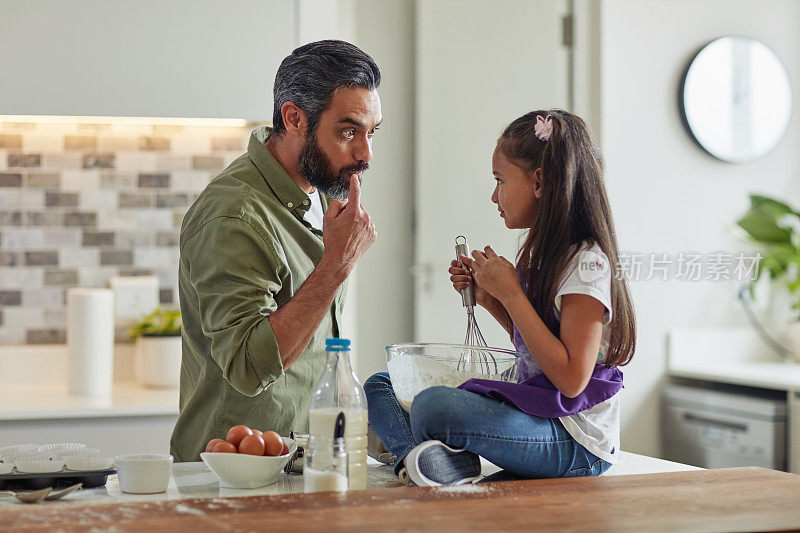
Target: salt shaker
(325,467)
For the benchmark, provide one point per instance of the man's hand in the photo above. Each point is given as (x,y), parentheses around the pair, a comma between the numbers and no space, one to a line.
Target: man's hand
(347,231)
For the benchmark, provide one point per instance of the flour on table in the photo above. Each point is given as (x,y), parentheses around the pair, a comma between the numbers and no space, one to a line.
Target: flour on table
(465,488)
(181,508)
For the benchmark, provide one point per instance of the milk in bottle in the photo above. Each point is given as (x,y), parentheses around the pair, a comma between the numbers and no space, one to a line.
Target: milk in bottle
(338,390)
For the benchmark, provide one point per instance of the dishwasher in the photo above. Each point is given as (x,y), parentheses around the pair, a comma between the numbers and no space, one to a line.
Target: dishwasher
(722,426)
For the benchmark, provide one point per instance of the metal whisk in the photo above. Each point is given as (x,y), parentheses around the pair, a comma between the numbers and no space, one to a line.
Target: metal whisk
(472,358)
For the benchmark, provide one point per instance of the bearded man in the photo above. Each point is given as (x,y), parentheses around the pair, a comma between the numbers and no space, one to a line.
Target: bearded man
(266,249)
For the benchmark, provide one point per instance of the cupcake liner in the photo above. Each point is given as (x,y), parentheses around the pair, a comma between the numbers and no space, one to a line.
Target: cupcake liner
(37,466)
(18,449)
(82,452)
(6,468)
(59,449)
(29,455)
(88,463)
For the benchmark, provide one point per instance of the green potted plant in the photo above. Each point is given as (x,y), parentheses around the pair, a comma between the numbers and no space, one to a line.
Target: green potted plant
(158,348)
(775,226)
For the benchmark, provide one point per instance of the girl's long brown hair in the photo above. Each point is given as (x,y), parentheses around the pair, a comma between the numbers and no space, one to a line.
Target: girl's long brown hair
(573,208)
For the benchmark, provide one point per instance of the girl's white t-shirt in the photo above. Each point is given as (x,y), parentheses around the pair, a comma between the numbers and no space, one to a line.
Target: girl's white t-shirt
(314,214)
(597,428)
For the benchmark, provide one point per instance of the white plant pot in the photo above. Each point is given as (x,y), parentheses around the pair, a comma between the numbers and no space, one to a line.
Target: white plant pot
(158,361)
(793,339)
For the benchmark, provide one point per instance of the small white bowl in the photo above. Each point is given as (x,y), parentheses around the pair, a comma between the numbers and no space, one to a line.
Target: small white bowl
(243,471)
(83,462)
(144,473)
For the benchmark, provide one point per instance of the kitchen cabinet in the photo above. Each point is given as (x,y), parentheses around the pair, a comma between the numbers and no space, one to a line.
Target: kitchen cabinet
(717,425)
(794,432)
(760,376)
(182,58)
(735,356)
(113,436)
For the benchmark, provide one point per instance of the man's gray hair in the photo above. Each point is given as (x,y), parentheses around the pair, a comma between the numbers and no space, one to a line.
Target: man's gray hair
(313,72)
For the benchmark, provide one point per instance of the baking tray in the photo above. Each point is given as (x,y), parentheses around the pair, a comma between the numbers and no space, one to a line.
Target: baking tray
(26,481)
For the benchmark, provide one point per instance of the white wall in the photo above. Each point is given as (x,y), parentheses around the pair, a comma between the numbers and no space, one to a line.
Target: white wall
(471,83)
(385,30)
(666,194)
(379,308)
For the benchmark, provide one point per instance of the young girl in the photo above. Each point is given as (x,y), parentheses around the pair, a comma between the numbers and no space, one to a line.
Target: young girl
(569,317)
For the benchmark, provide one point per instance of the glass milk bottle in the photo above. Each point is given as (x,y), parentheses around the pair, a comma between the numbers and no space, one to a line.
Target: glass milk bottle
(326,462)
(338,390)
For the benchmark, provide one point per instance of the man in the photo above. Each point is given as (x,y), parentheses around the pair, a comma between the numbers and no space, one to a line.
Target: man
(262,271)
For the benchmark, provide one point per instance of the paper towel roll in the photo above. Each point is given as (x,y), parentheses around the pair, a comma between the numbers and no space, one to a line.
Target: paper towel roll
(90,337)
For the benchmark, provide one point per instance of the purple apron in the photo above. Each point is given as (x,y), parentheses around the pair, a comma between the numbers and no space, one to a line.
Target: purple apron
(535,394)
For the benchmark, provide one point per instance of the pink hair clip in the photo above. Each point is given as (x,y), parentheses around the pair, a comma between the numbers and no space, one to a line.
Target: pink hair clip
(543,127)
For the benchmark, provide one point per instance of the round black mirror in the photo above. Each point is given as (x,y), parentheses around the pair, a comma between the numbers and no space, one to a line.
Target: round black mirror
(736,99)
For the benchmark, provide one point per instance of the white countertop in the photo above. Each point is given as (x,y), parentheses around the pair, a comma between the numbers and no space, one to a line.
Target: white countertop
(126,399)
(195,480)
(763,374)
(33,386)
(729,355)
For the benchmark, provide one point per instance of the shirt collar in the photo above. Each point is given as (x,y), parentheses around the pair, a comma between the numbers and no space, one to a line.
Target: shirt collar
(285,188)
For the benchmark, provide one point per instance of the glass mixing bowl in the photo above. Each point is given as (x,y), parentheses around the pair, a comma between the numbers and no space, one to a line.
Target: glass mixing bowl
(414,367)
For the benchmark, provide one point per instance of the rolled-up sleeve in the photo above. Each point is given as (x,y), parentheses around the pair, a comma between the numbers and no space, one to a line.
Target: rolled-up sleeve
(236,275)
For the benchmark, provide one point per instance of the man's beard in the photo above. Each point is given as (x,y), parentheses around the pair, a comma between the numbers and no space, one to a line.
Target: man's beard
(316,167)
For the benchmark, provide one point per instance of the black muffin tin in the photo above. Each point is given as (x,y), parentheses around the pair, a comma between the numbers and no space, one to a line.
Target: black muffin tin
(64,478)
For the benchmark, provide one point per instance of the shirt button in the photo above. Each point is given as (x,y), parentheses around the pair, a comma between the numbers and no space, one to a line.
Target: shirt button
(290,205)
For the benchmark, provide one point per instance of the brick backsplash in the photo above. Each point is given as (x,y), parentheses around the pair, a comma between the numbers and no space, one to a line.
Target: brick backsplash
(80,203)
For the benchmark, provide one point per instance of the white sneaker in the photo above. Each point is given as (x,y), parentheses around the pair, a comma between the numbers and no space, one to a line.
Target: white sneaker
(433,463)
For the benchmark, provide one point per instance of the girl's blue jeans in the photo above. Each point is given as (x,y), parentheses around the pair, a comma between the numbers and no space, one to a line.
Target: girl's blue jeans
(522,444)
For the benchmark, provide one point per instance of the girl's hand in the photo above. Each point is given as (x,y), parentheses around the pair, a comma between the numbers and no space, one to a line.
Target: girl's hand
(493,273)
(461,278)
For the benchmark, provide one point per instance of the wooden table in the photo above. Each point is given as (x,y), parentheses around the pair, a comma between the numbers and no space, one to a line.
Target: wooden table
(736,499)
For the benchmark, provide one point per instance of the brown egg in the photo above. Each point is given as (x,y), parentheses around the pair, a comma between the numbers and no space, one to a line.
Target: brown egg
(273,443)
(252,445)
(224,447)
(285,449)
(212,443)
(257,432)
(237,433)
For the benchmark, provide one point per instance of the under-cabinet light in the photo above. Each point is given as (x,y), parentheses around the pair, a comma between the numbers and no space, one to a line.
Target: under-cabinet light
(155,121)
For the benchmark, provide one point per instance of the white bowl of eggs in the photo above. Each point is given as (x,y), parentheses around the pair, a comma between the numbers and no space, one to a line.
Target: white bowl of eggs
(237,463)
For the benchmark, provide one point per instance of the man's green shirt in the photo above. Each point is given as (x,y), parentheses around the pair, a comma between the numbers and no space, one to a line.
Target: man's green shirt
(244,252)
